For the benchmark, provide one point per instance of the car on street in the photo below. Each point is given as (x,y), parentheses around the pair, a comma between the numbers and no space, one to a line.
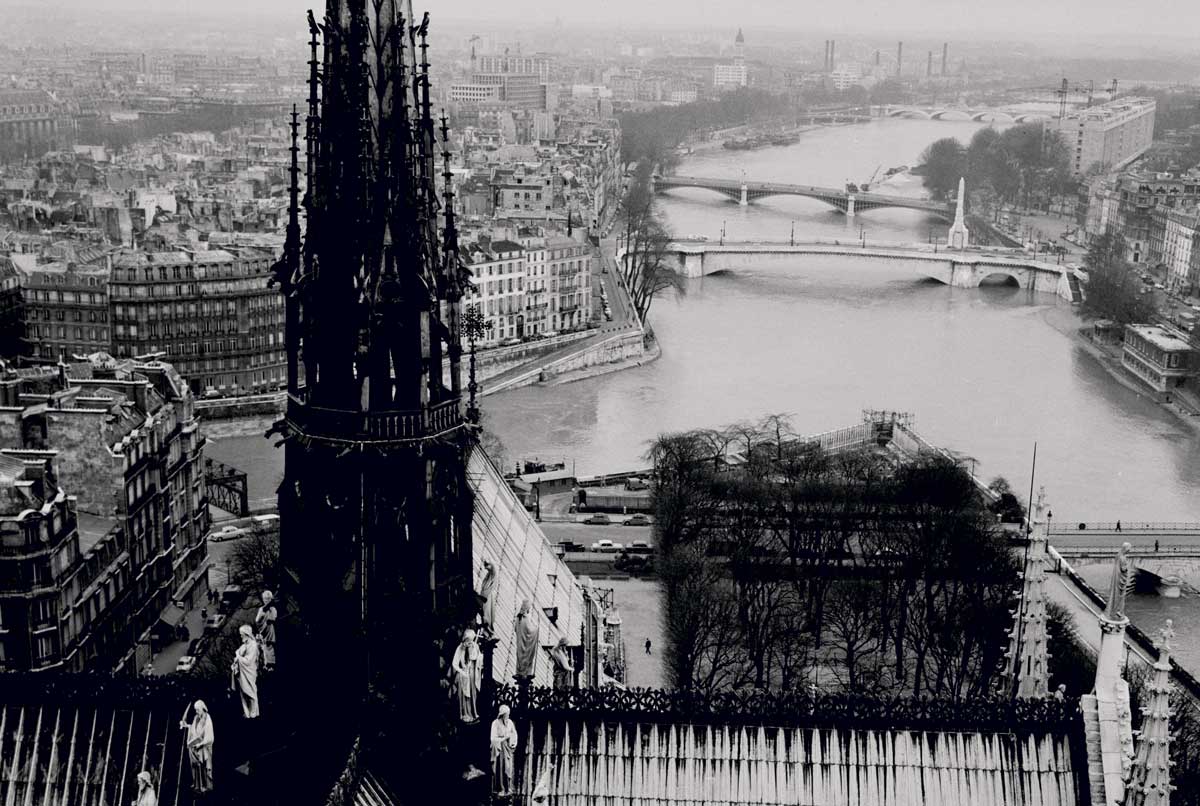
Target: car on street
(186,663)
(607,546)
(599,519)
(638,520)
(262,524)
(214,622)
(229,532)
(640,547)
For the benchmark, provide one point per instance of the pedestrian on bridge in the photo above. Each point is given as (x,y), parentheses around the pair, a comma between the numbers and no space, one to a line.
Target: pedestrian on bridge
(1156,547)
(1118,526)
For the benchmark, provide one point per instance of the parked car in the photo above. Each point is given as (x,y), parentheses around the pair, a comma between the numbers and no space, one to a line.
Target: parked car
(638,520)
(196,646)
(599,519)
(607,546)
(571,545)
(186,663)
(229,532)
(214,622)
(640,547)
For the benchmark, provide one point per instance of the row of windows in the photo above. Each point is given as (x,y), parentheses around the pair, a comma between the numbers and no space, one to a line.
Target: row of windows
(60,315)
(93,334)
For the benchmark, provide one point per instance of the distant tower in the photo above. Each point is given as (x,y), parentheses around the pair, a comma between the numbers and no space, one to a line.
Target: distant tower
(832,55)
(929,65)
(876,58)
(739,48)
(959,236)
(375,509)
(945,55)
(899,58)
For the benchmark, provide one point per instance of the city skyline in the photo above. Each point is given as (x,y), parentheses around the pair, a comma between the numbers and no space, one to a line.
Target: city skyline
(1021,20)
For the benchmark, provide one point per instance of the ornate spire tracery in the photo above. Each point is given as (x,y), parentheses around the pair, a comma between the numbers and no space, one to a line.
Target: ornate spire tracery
(1150,779)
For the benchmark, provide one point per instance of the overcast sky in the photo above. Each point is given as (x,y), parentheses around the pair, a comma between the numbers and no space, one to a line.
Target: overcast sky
(1130,20)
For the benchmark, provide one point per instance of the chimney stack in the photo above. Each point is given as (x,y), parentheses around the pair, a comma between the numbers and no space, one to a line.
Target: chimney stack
(929,65)
(832,58)
(899,58)
(945,55)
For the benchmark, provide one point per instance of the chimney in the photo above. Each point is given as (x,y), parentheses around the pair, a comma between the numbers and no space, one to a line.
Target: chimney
(899,58)
(832,58)
(945,55)
(929,65)
(825,64)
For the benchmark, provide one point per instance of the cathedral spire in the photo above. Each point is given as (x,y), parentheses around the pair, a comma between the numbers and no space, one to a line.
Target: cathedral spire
(1028,657)
(1150,781)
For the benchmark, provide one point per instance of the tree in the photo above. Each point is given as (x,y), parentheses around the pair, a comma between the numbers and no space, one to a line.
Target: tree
(944,162)
(254,561)
(647,265)
(1113,291)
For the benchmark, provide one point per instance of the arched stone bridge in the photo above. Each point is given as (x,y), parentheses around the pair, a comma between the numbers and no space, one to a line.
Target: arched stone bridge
(984,115)
(849,203)
(959,268)
(1163,569)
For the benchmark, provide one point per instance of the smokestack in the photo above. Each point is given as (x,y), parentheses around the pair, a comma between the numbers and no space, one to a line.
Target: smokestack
(945,55)
(929,65)
(832,58)
(825,58)
(899,58)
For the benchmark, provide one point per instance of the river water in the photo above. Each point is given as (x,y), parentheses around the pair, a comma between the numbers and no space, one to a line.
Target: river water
(986,372)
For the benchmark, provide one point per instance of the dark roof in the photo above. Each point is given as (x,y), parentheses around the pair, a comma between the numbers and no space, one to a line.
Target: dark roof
(506,246)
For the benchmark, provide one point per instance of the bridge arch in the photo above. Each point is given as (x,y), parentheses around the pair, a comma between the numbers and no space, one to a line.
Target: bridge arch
(733,194)
(992,116)
(951,114)
(1030,117)
(919,114)
(1001,276)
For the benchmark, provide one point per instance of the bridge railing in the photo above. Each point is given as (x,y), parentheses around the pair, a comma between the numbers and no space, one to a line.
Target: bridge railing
(1128,526)
(1138,549)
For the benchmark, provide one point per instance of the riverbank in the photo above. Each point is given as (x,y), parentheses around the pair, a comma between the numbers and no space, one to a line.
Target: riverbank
(1068,322)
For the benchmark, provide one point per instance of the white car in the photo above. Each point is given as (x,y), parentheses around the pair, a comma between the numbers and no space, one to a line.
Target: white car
(607,546)
(186,663)
(229,532)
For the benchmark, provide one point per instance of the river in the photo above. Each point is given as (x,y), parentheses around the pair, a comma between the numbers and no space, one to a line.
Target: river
(986,372)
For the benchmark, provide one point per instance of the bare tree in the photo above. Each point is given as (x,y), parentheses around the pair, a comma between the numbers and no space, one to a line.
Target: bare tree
(254,561)
(647,265)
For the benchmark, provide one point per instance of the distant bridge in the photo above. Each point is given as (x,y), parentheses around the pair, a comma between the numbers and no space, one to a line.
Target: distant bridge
(846,201)
(979,114)
(958,268)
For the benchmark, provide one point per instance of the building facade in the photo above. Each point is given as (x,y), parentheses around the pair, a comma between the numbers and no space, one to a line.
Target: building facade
(731,75)
(66,309)
(108,459)
(1110,135)
(498,277)
(1180,255)
(1158,358)
(12,310)
(212,314)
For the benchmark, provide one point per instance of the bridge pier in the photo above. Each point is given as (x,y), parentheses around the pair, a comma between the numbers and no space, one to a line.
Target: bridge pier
(745,200)
(849,205)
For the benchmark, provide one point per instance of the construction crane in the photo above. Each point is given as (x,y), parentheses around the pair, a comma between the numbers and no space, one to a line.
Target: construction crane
(866,186)
(1066,89)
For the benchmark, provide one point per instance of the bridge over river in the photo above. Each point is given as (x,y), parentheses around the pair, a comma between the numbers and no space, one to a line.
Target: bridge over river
(849,202)
(960,268)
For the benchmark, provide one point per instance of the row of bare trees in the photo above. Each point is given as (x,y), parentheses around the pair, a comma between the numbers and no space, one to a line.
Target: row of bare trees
(785,566)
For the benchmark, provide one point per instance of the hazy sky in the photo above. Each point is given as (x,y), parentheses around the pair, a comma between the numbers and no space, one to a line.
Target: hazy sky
(1129,20)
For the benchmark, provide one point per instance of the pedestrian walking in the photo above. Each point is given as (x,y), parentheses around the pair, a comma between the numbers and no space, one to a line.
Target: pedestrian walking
(1156,547)
(1118,526)
(647,646)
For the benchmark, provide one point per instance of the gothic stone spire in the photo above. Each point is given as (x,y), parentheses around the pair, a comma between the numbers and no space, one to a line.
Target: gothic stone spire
(1028,657)
(1150,781)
